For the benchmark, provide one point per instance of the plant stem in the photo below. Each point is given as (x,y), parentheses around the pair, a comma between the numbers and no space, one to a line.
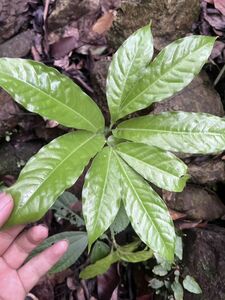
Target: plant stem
(113,238)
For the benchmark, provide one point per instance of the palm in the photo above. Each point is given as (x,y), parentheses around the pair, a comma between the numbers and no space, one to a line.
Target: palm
(10,283)
(17,278)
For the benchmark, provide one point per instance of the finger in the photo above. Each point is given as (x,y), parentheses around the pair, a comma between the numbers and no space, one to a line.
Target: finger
(6,206)
(8,236)
(23,245)
(33,270)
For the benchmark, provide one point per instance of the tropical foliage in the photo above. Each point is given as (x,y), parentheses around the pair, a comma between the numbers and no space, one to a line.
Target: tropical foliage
(132,153)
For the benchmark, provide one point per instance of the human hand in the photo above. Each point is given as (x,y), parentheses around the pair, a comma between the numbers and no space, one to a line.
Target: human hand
(16,279)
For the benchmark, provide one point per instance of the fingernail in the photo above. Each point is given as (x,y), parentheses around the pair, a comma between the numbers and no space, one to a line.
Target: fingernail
(5,201)
(61,247)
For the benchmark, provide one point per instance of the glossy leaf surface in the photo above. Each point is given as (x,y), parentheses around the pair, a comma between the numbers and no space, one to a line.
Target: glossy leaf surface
(177,290)
(147,212)
(176,131)
(101,194)
(77,245)
(45,91)
(48,173)
(172,70)
(126,67)
(100,267)
(157,166)
(190,284)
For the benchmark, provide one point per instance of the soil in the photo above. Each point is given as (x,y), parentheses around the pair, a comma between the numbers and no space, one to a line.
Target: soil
(78,38)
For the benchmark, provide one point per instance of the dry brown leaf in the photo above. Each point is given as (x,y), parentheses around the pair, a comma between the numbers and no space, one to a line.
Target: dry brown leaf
(189,224)
(105,22)
(176,215)
(220,5)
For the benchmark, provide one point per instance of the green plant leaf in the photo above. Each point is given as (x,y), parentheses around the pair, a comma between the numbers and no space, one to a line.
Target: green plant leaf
(48,173)
(177,290)
(101,194)
(121,221)
(131,246)
(176,131)
(100,267)
(147,212)
(190,284)
(162,168)
(62,209)
(45,91)
(160,270)
(135,257)
(156,283)
(172,70)
(127,66)
(179,247)
(77,245)
(100,250)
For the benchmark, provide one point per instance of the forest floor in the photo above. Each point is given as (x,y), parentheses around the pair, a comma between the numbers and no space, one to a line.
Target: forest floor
(79,38)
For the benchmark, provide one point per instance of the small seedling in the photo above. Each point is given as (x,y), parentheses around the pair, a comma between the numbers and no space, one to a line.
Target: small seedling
(127,155)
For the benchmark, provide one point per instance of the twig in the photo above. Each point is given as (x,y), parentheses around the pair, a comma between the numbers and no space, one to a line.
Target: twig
(219,76)
(47,2)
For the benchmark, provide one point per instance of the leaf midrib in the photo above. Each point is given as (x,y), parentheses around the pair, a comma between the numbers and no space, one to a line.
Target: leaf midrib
(104,187)
(133,188)
(157,79)
(170,131)
(54,99)
(125,79)
(53,171)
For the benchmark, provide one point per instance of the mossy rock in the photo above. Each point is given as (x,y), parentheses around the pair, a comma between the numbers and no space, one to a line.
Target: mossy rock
(170,20)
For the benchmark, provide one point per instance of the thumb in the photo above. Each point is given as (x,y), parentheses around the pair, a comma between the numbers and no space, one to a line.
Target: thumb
(6,206)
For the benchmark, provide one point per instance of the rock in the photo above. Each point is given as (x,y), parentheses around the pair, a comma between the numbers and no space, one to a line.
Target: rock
(207,172)
(67,11)
(204,259)
(196,202)
(9,113)
(18,46)
(13,16)
(170,20)
(198,96)
(98,73)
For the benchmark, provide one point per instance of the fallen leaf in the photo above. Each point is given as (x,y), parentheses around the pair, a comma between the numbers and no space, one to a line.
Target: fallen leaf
(220,5)
(62,63)
(115,294)
(176,215)
(105,22)
(64,46)
(187,224)
(215,19)
(218,53)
